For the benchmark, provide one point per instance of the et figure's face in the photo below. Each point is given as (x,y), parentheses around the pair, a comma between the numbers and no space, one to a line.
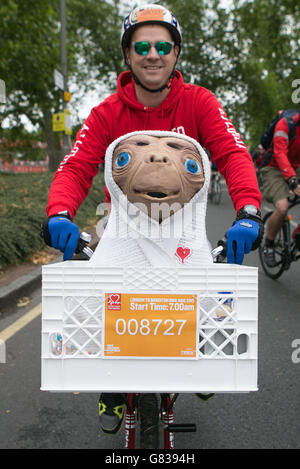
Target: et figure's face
(154,170)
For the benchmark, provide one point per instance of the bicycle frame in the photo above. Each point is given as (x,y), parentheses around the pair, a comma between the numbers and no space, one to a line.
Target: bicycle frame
(287,242)
(168,420)
(286,228)
(130,422)
(167,417)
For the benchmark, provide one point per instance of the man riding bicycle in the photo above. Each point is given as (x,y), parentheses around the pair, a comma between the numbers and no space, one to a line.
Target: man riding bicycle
(152,95)
(279,178)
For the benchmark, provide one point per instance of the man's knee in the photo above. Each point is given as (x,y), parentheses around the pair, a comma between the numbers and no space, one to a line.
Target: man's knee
(282,207)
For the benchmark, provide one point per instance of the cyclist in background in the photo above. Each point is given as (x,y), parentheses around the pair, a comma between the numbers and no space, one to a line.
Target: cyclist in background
(214,171)
(280,178)
(151,95)
(257,156)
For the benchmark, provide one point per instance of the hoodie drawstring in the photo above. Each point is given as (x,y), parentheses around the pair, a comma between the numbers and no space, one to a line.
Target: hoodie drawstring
(146,109)
(147,117)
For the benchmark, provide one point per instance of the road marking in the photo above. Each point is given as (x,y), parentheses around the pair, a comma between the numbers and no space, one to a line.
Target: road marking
(20,323)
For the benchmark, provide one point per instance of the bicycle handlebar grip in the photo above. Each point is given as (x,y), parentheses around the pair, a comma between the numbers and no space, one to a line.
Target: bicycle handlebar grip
(293,182)
(223,242)
(219,253)
(83,241)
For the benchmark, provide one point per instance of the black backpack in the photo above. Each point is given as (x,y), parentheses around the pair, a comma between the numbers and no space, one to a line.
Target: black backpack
(288,115)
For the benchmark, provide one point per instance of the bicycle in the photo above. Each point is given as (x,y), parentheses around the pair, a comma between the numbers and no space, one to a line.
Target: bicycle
(216,192)
(144,407)
(286,249)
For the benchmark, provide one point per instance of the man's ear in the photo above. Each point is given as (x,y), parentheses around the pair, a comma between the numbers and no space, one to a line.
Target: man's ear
(176,50)
(127,59)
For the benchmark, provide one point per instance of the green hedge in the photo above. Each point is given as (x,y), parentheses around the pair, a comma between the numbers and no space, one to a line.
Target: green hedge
(23,198)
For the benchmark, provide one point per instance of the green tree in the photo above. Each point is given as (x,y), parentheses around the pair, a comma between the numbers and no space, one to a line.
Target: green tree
(249,56)
(208,52)
(97,25)
(204,58)
(30,34)
(266,39)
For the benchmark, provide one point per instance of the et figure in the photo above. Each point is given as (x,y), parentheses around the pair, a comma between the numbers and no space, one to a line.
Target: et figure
(158,182)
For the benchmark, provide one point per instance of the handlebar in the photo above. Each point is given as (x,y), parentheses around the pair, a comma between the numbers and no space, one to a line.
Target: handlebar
(82,245)
(293,200)
(218,253)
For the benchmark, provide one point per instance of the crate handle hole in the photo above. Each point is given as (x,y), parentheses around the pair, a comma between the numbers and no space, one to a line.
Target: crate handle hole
(56,343)
(242,344)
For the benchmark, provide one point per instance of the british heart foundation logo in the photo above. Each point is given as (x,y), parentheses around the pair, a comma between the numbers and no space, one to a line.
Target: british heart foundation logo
(114,302)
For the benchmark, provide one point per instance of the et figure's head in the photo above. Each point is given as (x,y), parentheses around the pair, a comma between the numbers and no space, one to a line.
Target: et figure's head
(159,173)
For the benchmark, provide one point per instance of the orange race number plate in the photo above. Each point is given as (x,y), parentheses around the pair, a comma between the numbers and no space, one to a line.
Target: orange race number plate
(150,325)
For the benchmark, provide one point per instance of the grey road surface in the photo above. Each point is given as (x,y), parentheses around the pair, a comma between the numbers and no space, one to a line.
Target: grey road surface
(268,418)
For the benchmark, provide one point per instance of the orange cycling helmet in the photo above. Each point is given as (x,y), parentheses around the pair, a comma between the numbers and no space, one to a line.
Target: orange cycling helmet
(150,14)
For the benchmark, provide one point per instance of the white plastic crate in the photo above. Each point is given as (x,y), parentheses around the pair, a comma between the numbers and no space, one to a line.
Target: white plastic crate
(72,330)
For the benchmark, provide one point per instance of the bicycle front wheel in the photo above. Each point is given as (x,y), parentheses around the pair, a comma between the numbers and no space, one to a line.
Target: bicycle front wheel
(280,246)
(149,421)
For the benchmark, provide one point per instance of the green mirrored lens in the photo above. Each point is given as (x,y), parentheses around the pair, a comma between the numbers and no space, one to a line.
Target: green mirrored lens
(163,47)
(142,48)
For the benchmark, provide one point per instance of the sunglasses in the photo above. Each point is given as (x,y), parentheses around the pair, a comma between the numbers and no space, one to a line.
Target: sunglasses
(162,47)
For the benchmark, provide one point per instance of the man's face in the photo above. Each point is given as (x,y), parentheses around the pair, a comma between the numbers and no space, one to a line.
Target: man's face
(158,170)
(153,69)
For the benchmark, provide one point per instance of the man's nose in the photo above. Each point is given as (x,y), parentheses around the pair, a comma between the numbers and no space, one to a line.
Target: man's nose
(153,54)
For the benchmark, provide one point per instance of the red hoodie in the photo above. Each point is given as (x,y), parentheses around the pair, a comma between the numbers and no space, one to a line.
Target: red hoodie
(187,109)
(286,153)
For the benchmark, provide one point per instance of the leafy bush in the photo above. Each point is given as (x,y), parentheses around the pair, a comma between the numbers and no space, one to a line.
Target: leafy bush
(23,198)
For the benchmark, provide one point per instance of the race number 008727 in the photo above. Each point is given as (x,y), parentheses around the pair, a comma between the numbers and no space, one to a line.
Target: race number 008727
(145,326)
(150,325)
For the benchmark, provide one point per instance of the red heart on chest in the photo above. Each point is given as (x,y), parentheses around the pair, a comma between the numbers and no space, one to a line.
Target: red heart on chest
(183,253)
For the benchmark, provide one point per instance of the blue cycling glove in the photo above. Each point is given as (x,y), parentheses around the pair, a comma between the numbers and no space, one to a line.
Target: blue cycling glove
(61,233)
(245,235)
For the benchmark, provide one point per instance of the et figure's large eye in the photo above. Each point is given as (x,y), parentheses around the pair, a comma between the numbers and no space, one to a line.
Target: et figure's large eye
(192,166)
(122,159)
